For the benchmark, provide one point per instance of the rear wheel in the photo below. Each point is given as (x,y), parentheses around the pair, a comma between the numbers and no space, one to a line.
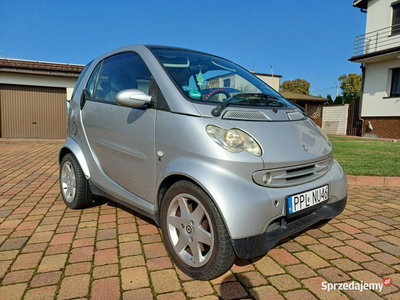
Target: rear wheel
(194,232)
(74,186)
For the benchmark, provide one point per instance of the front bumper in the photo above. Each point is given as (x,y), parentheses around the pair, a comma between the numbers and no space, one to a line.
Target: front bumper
(258,245)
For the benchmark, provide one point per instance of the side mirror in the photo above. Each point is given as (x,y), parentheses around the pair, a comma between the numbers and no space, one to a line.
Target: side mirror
(132,98)
(85,95)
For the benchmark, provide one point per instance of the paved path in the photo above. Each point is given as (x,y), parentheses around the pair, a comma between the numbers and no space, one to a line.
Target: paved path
(104,252)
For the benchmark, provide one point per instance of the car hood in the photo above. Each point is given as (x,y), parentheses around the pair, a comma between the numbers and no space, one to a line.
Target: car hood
(287,143)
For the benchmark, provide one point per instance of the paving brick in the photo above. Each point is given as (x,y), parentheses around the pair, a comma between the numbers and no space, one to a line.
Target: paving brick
(299,295)
(226,277)
(284,282)
(59,249)
(105,289)
(132,261)
(78,268)
(64,238)
(165,281)
(241,265)
(142,294)
(265,292)
(106,234)
(154,250)
(362,246)
(353,254)
(130,248)
(378,268)
(52,263)
(333,274)
(311,260)
(106,244)
(74,287)
(107,218)
(388,247)
(85,233)
(27,225)
(159,263)
(41,237)
(26,261)
(129,237)
(230,290)
(283,257)
(83,242)
(12,244)
(331,242)
(11,292)
(148,239)
(43,293)
(134,278)
(293,247)
(127,228)
(44,279)
(324,251)
(346,264)
(148,229)
(386,258)
(268,267)
(105,271)
(17,277)
(366,237)
(69,221)
(105,257)
(172,296)
(301,271)
(251,279)
(195,289)
(81,254)
(4,265)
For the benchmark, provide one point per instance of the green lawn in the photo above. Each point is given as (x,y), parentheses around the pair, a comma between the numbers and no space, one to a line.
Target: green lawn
(367,157)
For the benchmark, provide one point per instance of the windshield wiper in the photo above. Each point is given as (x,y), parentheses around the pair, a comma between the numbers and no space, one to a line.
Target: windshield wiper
(216,112)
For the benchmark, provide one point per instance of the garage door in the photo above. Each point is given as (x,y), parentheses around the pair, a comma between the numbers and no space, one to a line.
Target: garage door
(32,112)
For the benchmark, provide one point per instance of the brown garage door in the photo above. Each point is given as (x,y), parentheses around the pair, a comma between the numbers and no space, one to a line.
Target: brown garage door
(32,112)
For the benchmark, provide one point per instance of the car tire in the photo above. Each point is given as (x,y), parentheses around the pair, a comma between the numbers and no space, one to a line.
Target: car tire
(74,186)
(194,232)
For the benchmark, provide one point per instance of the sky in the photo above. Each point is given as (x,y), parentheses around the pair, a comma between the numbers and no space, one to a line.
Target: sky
(308,39)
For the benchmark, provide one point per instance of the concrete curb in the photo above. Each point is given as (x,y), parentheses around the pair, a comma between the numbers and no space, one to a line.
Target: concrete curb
(373,181)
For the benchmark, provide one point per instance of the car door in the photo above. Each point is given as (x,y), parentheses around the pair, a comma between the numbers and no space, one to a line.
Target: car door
(121,138)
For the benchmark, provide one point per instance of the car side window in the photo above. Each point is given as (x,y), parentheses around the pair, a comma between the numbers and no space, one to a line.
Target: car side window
(92,80)
(120,72)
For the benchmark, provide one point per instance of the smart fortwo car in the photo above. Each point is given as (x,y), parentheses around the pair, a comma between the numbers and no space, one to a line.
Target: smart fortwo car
(219,160)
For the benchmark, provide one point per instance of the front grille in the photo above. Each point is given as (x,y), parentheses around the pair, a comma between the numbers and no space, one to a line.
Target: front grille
(245,115)
(290,176)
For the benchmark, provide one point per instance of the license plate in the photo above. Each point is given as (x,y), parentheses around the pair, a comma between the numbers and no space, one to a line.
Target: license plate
(300,202)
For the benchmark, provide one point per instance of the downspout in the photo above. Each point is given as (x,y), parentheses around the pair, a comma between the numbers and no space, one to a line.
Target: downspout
(361,96)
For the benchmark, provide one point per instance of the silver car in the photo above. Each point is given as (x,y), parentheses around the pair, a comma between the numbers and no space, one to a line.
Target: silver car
(219,160)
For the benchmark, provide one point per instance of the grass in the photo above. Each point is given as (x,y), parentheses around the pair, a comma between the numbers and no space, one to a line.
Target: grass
(367,156)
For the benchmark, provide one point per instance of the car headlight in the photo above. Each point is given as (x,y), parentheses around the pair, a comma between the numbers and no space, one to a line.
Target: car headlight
(234,140)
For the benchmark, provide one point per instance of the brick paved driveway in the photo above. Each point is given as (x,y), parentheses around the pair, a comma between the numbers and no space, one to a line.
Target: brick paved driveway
(104,252)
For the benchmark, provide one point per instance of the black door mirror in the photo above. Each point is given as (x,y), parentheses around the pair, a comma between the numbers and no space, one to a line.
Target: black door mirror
(85,95)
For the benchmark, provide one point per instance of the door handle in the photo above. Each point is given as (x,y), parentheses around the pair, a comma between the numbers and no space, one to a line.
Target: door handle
(34,123)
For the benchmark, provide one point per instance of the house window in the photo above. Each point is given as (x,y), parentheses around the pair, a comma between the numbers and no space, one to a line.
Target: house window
(227,82)
(395,89)
(396,18)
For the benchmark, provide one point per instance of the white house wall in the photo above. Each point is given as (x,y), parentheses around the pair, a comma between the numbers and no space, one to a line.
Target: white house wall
(379,15)
(377,84)
(272,82)
(39,80)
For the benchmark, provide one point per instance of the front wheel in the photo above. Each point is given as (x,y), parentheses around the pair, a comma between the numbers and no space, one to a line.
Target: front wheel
(74,186)
(194,232)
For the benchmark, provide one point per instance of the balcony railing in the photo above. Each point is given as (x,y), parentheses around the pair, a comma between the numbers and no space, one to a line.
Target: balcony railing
(377,40)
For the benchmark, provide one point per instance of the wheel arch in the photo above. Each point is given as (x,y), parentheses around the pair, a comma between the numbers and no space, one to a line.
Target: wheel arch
(70,146)
(168,181)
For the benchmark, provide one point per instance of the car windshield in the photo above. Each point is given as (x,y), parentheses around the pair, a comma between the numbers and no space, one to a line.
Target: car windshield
(210,79)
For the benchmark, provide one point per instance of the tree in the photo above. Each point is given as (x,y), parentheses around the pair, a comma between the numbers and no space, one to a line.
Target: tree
(297,85)
(351,87)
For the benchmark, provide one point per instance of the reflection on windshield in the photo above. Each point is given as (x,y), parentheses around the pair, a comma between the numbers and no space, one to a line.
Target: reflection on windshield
(210,79)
